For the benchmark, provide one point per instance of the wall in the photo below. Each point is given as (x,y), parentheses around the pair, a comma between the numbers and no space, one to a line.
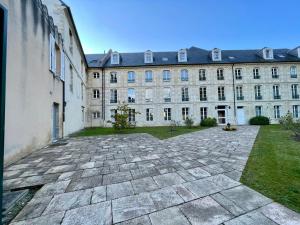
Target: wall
(31,89)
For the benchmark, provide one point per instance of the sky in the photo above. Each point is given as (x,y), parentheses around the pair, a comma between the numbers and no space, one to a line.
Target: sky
(169,25)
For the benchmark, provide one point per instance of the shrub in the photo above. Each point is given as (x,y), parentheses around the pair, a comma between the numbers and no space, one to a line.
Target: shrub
(209,122)
(259,120)
(288,123)
(189,122)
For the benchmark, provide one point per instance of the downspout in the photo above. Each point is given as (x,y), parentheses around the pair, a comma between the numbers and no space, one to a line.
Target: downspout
(103,94)
(233,86)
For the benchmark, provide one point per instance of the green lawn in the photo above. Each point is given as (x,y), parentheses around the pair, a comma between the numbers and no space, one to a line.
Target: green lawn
(159,132)
(273,167)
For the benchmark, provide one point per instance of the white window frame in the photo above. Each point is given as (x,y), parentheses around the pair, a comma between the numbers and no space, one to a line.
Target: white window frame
(167,94)
(184,75)
(256,73)
(216,54)
(185,112)
(185,94)
(113,77)
(96,75)
(203,113)
(258,110)
(131,77)
(96,93)
(277,111)
(296,111)
(202,74)
(148,94)
(182,55)
(221,93)
(238,73)
(133,97)
(148,57)
(220,74)
(113,95)
(293,71)
(166,75)
(203,93)
(96,115)
(115,58)
(148,76)
(294,88)
(52,54)
(167,114)
(149,114)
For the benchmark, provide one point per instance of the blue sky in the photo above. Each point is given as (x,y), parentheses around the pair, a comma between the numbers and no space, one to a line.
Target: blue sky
(168,25)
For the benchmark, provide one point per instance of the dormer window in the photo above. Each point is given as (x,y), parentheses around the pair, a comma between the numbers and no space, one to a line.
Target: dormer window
(182,55)
(148,57)
(115,58)
(298,52)
(268,53)
(216,54)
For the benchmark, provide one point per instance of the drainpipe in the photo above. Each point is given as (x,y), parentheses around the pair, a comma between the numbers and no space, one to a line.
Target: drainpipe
(233,87)
(103,94)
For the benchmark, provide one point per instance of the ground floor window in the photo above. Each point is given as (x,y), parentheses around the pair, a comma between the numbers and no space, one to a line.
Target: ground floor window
(167,114)
(258,110)
(185,113)
(96,115)
(113,113)
(276,111)
(296,109)
(149,114)
(203,113)
(131,115)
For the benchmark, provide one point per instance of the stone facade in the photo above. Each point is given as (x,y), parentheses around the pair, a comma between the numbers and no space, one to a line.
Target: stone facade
(234,105)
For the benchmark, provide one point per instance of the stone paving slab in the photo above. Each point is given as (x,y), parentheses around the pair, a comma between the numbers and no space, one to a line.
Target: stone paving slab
(139,180)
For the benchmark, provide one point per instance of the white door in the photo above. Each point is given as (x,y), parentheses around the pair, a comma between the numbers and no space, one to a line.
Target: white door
(55,121)
(240,114)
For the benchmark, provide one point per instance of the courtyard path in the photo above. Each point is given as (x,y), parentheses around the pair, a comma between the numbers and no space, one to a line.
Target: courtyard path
(138,179)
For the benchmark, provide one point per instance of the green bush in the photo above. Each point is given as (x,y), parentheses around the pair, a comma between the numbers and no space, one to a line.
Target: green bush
(209,122)
(189,122)
(259,120)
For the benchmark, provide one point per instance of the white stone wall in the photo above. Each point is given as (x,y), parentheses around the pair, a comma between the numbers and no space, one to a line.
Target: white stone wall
(194,84)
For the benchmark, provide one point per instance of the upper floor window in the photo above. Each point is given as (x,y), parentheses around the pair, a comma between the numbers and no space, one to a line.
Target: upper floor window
(202,92)
(149,95)
(257,90)
(113,77)
(220,74)
(216,54)
(96,75)
(293,71)
(166,75)
(115,58)
(71,85)
(202,74)
(185,94)
(167,94)
(221,93)
(148,76)
(113,96)
(256,73)
(131,77)
(148,57)
(71,41)
(274,72)
(96,93)
(52,58)
(239,93)
(184,75)
(131,95)
(238,74)
(276,93)
(182,55)
(295,94)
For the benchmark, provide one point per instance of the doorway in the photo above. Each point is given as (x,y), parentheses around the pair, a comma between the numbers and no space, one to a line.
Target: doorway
(240,115)
(55,119)
(221,115)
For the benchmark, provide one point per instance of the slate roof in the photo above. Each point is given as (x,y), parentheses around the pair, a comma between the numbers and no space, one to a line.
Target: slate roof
(195,56)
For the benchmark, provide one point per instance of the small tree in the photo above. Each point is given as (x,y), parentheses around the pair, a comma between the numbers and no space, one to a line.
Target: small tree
(121,118)
(189,122)
(288,123)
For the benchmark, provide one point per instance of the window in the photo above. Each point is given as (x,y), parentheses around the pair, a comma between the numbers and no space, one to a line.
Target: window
(202,93)
(256,73)
(131,77)
(184,75)
(275,72)
(96,93)
(71,79)
(96,75)
(238,74)
(185,94)
(131,115)
(148,76)
(185,113)
(293,71)
(295,94)
(167,114)
(113,113)
(221,93)
(239,93)
(149,95)
(96,115)
(167,94)
(148,57)
(268,53)
(220,74)
(113,96)
(131,95)
(276,92)
(71,41)
(202,74)
(149,114)
(52,54)
(203,113)
(296,111)
(113,77)
(216,54)
(258,110)
(166,75)
(276,111)
(182,55)
(115,58)
(257,90)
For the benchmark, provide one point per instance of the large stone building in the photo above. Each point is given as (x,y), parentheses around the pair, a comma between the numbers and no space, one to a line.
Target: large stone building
(230,85)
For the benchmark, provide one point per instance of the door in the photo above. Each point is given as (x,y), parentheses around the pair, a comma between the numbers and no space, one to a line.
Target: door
(55,119)
(221,116)
(240,114)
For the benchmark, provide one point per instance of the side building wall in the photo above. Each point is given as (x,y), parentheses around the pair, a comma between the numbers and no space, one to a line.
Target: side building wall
(31,89)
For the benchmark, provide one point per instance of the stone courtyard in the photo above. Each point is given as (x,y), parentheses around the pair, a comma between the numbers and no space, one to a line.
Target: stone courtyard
(138,179)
